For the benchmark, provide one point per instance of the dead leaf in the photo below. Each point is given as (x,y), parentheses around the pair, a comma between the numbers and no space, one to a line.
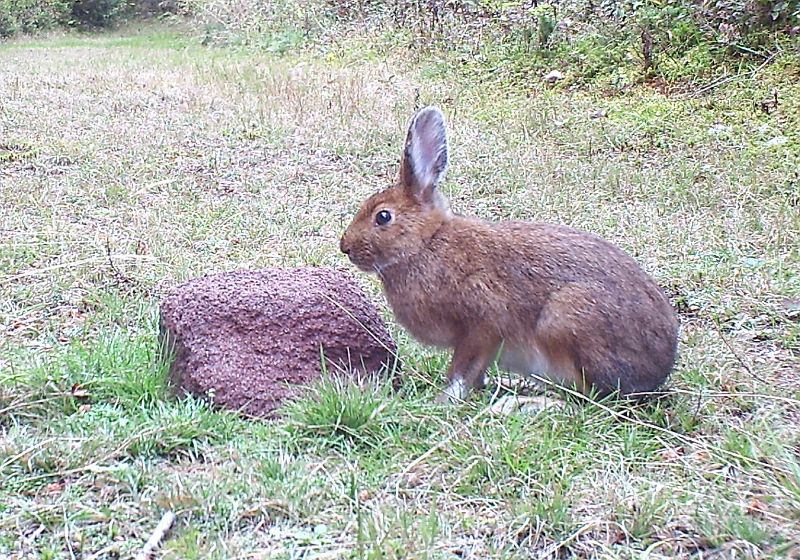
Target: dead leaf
(175,501)
(701,456)
(756,507)
(671,453)
(79,392)
(54,488)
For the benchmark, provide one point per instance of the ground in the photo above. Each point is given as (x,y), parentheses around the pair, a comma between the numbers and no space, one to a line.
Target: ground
(134,160)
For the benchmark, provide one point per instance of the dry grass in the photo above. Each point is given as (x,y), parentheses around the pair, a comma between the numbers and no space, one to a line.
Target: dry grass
(128,163)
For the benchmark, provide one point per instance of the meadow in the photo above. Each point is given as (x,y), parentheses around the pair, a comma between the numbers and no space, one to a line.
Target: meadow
(133,160)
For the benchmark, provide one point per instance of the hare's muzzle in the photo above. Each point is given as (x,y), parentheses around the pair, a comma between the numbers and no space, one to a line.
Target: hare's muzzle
(353,254)
(344,246)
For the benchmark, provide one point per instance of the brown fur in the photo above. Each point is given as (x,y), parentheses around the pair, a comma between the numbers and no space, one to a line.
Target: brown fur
(551,298)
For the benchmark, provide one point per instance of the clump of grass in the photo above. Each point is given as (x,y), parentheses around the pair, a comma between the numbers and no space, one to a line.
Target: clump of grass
(117,368)
(338,410)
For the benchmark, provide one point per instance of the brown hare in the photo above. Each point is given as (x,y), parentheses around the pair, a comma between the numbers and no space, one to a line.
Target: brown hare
(542,299)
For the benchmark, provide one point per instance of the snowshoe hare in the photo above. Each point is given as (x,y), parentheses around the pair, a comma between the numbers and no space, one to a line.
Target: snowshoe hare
(540,298)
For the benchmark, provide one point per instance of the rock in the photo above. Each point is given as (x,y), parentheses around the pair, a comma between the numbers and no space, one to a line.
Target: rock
(511,404)
(598,114)
(791,307)
(251,339)
(553,76)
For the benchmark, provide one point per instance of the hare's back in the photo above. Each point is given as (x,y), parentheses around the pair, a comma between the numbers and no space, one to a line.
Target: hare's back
(566,254)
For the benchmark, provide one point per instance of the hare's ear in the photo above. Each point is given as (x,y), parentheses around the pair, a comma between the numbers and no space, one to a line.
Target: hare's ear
(425,156)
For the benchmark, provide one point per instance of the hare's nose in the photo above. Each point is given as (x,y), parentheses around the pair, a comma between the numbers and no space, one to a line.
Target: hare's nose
(344,247)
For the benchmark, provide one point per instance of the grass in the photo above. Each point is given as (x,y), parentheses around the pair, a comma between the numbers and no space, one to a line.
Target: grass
(132,161)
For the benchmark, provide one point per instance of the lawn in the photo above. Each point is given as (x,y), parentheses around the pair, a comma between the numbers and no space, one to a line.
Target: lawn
(132,161)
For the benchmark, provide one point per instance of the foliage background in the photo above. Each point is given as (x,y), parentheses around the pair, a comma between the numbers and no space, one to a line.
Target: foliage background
(610,42)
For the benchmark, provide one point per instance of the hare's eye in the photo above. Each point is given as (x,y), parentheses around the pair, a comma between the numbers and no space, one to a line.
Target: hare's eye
(383,217)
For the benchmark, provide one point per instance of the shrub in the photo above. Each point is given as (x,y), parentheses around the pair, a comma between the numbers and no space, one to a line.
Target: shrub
(99,13)
(734,20)
(27,16)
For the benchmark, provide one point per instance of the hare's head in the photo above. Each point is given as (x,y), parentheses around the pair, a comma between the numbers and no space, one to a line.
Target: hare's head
(396,223)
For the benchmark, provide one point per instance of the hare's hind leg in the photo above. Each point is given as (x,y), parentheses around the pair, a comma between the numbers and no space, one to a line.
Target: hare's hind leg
(471,356)
(573,332)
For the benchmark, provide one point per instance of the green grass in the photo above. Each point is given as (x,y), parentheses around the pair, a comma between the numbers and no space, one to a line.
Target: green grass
(135,161)
(131,38)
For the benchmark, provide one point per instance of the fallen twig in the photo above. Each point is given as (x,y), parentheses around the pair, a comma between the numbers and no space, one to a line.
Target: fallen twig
(736,355)
(73,264)
(161,530)
(103,551)
(727,79)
